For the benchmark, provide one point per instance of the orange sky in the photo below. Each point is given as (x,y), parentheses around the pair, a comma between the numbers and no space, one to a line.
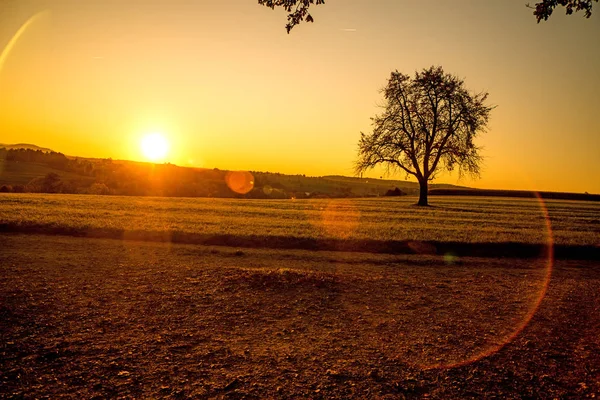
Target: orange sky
(230,89)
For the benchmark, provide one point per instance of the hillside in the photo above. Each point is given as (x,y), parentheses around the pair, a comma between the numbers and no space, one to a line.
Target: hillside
(24,146)
(30,168)
(16,173)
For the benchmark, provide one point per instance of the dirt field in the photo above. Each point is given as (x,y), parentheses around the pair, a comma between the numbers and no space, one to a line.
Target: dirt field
(96,318)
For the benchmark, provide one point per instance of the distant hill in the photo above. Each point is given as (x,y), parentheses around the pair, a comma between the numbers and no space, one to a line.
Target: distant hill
(24,146)
(406,186)
(514,193)
(30,168)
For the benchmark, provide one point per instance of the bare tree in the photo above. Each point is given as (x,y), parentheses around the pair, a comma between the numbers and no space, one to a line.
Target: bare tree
(428,121)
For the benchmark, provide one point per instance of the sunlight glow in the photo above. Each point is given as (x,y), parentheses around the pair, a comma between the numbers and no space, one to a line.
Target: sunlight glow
(155,147)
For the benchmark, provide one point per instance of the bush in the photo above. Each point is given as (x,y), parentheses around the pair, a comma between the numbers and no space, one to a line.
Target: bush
(395,192)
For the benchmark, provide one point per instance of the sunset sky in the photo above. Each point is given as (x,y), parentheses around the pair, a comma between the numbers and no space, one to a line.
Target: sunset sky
(225,84)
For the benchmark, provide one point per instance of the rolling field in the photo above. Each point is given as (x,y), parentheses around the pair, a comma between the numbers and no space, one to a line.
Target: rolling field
(95,317)
(263,222)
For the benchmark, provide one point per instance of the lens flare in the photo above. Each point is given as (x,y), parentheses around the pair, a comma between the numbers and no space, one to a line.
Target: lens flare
(337,218)
(542,288)
(13,41)
(240,182)
(451,258)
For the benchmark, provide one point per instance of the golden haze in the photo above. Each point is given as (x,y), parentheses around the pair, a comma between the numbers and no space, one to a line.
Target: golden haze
(229,88)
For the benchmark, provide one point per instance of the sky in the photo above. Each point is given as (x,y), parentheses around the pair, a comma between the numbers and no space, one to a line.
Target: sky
(228,88)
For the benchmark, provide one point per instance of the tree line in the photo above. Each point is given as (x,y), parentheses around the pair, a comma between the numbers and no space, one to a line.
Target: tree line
(70,175)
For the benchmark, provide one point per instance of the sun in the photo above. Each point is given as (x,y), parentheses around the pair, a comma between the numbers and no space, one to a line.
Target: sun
(155,147)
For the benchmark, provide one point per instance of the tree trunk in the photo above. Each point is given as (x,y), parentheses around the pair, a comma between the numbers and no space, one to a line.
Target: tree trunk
(423,193)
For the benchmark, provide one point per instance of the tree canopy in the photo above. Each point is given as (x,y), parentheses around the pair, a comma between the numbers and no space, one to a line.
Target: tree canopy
(298,9)
(543,10)
(428,121)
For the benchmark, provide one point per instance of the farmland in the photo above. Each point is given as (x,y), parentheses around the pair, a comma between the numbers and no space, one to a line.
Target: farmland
(105,318)
(451,219)
(260,316)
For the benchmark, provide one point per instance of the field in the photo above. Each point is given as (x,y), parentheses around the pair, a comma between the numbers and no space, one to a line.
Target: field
(105,318)
(451,219)
(95,317)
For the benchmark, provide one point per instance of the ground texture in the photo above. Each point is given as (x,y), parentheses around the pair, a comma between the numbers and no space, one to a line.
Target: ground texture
(98,318)
(367,225)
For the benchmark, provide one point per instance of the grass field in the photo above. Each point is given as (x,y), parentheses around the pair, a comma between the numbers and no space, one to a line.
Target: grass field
(96,318)
(375,220)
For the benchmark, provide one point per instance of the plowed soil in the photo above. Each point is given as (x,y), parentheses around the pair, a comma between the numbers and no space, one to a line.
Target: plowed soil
(99,318)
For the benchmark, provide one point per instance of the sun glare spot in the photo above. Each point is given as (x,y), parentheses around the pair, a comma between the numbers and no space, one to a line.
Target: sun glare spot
(155,147)
(240,182)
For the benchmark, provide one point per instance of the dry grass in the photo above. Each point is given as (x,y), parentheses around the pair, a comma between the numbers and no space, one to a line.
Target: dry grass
(454,219)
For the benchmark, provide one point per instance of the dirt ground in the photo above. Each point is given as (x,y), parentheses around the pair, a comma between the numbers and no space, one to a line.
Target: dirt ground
(96,318)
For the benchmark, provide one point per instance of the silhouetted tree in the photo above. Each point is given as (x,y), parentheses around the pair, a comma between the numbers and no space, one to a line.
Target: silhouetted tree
(543,10)
(51,183)
(297,9)
(428,121)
